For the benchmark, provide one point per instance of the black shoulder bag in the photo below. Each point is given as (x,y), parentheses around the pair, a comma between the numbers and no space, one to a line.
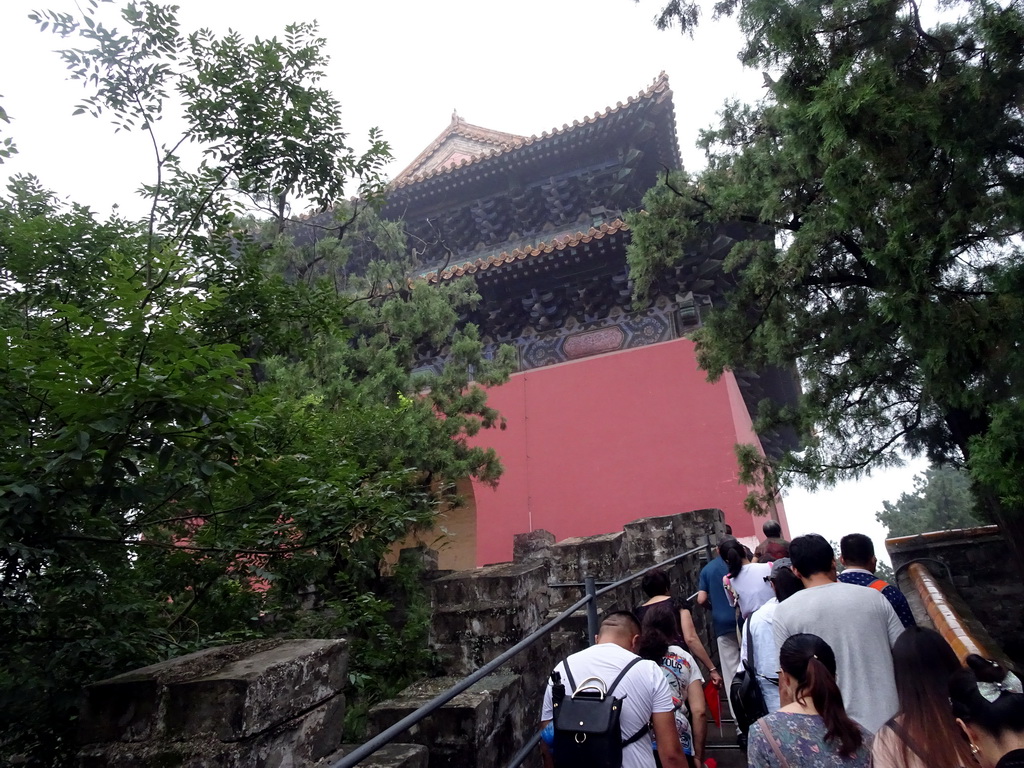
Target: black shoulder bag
(746,697)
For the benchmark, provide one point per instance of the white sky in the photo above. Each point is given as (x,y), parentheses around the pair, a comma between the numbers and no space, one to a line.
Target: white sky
(404,65)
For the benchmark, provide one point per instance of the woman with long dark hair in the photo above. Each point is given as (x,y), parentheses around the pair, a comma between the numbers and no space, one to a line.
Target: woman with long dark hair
(658,589)
(923,734)
(745,584)
(988,704)
(812,730)
(684,679)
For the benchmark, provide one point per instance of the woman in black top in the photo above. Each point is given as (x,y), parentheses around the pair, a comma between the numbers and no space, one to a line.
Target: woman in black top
(988,703)
(657,588)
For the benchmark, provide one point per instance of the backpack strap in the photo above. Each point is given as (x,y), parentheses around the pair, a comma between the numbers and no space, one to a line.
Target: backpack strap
(646,726)
(638,735)
(568,675)
(879,584)
(618,679)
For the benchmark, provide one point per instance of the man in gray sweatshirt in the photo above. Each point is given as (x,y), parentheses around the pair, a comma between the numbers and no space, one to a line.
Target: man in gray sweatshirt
(859,624)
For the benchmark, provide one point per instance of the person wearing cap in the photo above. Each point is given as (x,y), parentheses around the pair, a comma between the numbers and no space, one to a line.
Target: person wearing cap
(760,625)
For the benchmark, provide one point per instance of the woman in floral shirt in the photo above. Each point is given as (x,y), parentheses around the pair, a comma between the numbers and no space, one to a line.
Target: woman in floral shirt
(812,730)
(683,676)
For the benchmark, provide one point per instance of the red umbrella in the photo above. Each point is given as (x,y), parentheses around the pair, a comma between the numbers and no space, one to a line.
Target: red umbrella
(712,694)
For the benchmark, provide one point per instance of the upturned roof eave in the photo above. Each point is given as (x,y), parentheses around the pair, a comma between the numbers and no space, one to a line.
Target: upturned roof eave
(524,254)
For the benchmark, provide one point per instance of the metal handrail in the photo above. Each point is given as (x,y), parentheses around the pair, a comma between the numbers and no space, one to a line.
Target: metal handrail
(359,754)
(906,565)
(520,757)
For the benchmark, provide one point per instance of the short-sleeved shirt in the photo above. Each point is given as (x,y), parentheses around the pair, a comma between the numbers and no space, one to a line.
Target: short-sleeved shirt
(801,740)
(760,627)
(861,627)
(644,687)
(748,589)
(899,603)
(680,671)
(723,616)
(771,549)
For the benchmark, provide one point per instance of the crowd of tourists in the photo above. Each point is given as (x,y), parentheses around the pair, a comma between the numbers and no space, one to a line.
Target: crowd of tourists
(825,670)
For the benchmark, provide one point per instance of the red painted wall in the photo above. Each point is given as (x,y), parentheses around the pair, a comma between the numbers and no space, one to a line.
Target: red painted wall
(593,444)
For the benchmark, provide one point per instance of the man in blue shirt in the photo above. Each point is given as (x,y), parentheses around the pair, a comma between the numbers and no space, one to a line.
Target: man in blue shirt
(857,553)
(723,615)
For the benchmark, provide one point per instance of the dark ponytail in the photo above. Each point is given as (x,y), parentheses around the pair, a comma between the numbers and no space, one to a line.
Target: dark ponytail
(657,631)
(732,552)
(986,670)
(811,662)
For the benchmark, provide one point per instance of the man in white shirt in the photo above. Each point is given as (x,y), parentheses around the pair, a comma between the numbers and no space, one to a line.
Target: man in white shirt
(646,692)
(858,624)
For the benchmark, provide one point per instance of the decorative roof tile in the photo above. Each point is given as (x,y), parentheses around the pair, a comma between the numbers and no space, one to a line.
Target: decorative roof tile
(420,170)
(522,254)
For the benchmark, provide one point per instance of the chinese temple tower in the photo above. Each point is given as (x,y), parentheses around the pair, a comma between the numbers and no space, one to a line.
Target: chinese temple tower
(609,418)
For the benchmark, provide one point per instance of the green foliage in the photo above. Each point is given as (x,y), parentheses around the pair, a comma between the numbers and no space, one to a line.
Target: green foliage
(880,181)
(210,430)
(7,147)
(941,500)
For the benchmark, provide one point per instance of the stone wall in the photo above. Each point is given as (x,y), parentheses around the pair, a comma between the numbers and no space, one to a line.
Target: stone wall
(266,703)
(280,704)
(479,614)
(982,574)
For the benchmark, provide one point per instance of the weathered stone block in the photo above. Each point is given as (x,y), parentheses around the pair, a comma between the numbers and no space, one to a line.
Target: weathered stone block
(534,545)
(300,742)
(256,693)
(479,614)
(477,728)
(127,707)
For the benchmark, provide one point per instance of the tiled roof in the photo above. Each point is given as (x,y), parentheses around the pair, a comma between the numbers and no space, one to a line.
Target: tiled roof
(485,138)
(521,254)
(408,177)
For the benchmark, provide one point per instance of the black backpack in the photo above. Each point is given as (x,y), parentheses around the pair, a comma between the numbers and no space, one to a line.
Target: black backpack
(587,731)
(746,697)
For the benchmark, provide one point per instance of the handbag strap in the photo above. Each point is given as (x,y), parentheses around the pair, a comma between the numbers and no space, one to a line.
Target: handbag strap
(767,731)
(902,734)
(750,646)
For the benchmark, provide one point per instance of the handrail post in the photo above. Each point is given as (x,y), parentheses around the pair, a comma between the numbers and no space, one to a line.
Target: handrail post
(590,587)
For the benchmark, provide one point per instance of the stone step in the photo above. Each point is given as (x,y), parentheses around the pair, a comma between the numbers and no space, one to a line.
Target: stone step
(734,758)
(389,756)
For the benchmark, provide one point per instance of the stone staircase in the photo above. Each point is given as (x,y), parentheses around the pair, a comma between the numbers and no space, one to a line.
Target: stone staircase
(721,743)
(479,614)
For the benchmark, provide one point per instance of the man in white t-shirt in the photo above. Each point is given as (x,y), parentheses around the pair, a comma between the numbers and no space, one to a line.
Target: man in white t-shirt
(646,692)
